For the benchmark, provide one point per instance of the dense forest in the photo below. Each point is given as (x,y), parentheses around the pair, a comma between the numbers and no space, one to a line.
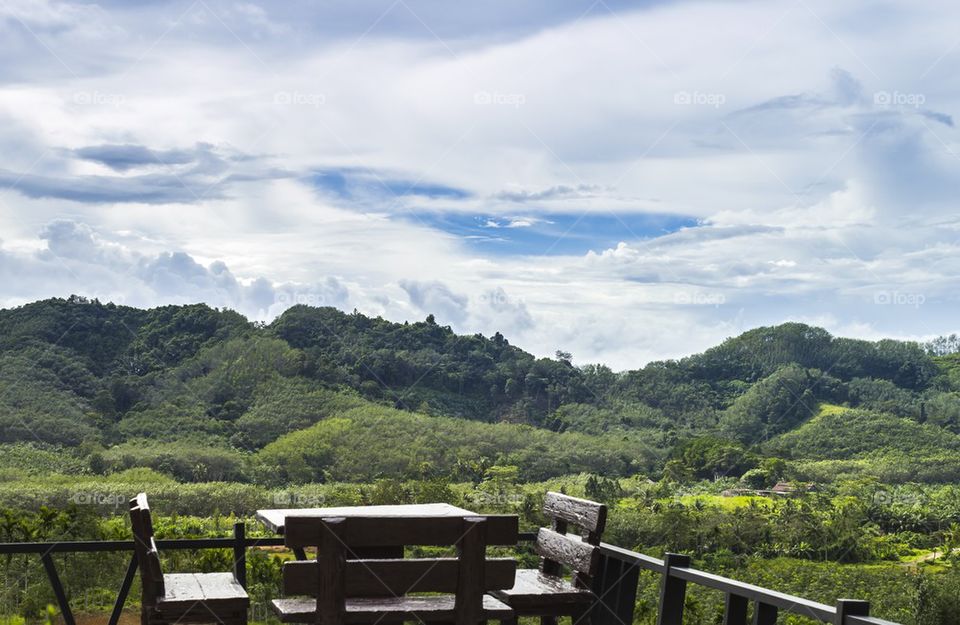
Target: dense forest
(321,395)
(217,416)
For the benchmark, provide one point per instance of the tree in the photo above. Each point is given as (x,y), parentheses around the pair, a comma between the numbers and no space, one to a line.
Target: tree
(773,405)
(708,457)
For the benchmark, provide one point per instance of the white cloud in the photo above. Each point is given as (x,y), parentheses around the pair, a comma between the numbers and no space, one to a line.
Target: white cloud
(816,197)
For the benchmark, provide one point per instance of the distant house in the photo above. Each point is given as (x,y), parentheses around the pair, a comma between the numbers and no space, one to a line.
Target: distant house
(791,488)
(780,489)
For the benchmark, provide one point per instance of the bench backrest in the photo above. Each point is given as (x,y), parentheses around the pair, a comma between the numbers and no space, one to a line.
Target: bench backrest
(148,556)
(338,574)
(558,549)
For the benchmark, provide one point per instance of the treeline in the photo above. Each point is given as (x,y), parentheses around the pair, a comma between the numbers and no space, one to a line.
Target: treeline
(202,394)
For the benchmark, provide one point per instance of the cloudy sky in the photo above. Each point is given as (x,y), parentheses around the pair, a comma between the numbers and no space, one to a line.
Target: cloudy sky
(626,181)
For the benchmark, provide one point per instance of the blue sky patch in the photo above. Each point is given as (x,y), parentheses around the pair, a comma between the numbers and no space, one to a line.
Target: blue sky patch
(358,184)
(553,233)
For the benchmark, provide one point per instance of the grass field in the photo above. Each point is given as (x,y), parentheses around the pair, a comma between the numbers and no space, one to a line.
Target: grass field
(726,503)
(830,409)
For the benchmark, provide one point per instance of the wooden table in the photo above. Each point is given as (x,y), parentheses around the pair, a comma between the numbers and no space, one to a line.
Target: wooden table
(274,520)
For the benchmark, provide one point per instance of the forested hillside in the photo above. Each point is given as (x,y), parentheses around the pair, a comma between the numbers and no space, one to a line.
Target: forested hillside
(202,394)
(214,415)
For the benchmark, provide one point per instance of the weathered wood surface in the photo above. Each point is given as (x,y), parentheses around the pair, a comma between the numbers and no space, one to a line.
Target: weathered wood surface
(372,609)
(545,592)
(583,513)
(145,547)
(181,597)
(535,591)
(571,552)
(471,552)
(153,566)
(140,501)
(273,519)
(615,586)
(216,590)
(372,531)
(549,566)
(339,581)
(390,577)
(331,572)
(673,591)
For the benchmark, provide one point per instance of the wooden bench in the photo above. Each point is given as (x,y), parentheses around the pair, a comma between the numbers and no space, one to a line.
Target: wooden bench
(545,592)
(339,587)
(172,598)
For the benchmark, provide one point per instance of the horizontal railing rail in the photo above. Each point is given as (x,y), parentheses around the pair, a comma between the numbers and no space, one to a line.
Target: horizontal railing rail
(87,546)
(615,586)
(239,543)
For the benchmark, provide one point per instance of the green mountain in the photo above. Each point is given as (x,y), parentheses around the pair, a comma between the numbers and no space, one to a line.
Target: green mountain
(319,394)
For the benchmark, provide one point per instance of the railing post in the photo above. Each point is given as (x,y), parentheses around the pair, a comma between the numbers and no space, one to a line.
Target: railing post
(240,553)
(615,591)
(124,591)
(735,611)
(673,591)
(764,614)
(851,607)
(58,590)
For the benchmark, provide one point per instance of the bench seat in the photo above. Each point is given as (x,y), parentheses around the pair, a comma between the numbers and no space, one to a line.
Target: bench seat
(533,590)
(195,591)
(370,609)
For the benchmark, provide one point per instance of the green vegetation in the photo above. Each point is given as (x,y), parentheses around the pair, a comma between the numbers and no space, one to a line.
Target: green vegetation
(215,417)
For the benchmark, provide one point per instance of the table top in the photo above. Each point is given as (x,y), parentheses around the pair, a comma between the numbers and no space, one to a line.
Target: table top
(274,519)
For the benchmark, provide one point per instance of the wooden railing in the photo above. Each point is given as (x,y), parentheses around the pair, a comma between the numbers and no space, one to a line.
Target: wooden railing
(615,586)
(239,543)
(616,590)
